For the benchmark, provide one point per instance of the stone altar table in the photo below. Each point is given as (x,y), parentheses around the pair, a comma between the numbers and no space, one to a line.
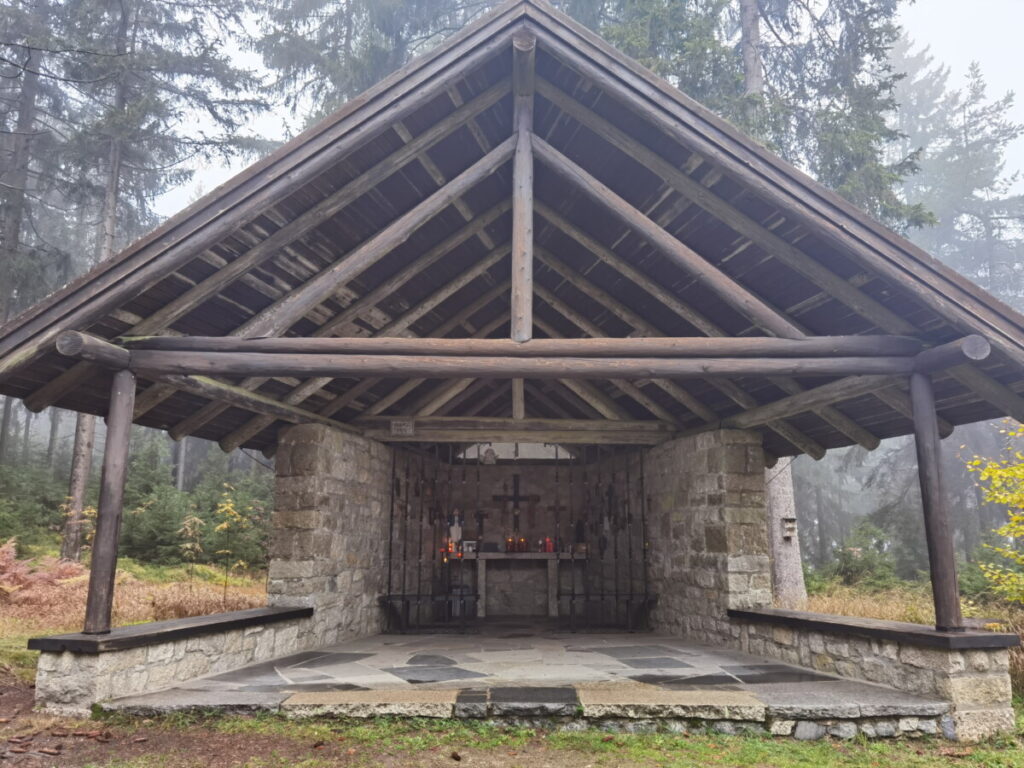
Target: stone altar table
(552,559)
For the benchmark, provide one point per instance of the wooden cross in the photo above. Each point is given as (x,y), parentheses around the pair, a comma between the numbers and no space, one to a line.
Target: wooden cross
(514,500)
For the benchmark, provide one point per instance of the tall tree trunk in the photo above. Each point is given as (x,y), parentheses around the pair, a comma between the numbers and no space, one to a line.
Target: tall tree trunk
(5,428)
(788,589)
(51,443)
(15,183)
(824,545)
(81,466)
(85,427)
(26,439)
(750,48)
(180,457)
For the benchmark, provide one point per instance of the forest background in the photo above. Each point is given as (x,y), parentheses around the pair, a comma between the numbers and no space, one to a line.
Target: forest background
(106,106)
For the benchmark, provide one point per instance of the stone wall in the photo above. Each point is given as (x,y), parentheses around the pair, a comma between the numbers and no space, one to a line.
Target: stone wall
(975,682)
(328,543)
(708,532)
(70,683)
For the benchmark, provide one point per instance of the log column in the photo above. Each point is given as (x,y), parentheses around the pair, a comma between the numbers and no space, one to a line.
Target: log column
(108,519)
(938,527)
(524,49)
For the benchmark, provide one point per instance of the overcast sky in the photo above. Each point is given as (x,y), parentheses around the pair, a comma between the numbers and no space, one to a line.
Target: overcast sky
(986,31)
(958,32)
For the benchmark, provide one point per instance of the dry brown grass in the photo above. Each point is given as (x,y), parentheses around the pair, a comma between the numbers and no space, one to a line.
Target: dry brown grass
(62,603)
(48,597)
(914,604)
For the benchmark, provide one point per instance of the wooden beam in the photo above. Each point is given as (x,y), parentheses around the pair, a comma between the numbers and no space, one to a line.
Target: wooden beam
(989,389)
(721,209)
(809,400)
(233,395)
(100,599)
(730,291)
(93,349)
(531,424)
(631,346)
(830,415)
(967,349)
(728,388)
(899,401)
(513,435)
(313,386)
(523,53)
(938,526)
(266,249)
(409,385)
(518,399)
(281,315)
(834,285)
(278,364)
(185,236)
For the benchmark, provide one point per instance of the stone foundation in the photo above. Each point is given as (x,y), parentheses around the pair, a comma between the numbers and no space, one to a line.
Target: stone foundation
(976,682)
(70,682)
(709,556)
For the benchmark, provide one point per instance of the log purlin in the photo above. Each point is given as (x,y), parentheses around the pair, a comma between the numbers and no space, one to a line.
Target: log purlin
(275,364)
(865,374)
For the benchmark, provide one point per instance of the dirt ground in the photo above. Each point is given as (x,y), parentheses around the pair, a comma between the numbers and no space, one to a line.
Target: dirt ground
(33,740)
(29,739)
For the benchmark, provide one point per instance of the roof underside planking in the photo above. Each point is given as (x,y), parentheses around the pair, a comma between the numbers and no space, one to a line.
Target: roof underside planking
(812,264)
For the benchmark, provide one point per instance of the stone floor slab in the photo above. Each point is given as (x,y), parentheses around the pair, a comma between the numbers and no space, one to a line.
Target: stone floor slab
(492,674)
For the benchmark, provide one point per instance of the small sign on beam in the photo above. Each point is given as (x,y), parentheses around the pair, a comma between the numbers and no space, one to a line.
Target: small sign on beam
(403,427)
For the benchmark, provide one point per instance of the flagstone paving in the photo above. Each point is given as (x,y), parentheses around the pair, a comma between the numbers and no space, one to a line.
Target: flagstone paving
(522,670)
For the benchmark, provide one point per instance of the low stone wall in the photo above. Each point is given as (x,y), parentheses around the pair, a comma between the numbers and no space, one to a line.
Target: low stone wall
(70,682)
(975,681)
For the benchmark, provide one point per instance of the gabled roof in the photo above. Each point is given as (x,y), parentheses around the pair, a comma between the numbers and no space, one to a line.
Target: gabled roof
(315,207)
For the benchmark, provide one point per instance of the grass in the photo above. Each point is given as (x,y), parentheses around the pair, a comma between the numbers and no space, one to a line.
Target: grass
(391,742)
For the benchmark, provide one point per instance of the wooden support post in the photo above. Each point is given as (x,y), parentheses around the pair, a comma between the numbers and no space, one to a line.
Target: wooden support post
(524,51)
(100,601)
(938,527)
(518,399)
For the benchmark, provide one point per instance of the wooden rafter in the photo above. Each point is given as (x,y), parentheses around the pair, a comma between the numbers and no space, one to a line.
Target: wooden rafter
(360,306)
(734,294)
(188,301)
(864,305)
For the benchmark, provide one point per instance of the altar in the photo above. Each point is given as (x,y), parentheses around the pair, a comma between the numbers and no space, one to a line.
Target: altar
(553,560)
